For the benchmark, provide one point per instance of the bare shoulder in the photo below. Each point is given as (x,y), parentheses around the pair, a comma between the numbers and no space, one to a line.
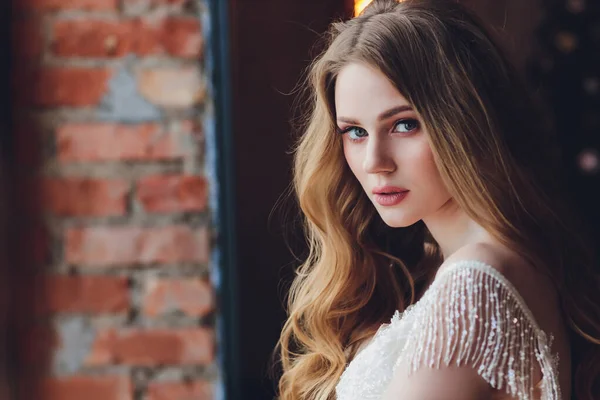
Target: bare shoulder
(533,285)
(459,370)
(506,261)
(455,378)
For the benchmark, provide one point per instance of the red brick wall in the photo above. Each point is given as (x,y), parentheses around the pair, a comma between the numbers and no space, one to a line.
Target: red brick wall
(108,99)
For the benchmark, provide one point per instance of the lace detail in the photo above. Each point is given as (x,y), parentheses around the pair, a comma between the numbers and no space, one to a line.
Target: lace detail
(370,371)
(470,315)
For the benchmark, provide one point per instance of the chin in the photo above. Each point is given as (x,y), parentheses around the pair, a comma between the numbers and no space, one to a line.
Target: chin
(397,221)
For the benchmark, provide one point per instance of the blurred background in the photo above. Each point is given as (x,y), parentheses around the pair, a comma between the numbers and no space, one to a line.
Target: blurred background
(144,172)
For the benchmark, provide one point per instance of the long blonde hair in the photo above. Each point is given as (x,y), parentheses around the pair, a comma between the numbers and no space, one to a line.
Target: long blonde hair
(496,155)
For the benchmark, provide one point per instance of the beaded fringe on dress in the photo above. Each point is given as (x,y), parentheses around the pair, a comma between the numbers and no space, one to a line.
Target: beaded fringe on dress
(472,315)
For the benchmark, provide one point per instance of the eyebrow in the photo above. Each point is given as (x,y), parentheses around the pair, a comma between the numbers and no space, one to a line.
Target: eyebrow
(383,116)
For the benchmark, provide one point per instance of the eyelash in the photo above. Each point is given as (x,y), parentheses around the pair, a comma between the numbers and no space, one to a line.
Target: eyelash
(403,121)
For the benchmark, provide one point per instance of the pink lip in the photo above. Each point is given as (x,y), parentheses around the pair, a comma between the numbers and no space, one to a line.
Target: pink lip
(390,199)
(388,189)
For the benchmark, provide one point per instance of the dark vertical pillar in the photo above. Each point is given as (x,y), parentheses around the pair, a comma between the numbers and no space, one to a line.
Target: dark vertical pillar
(271,46)
(7,346)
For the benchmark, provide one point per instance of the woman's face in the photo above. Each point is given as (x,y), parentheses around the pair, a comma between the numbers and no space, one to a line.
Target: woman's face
(386,145)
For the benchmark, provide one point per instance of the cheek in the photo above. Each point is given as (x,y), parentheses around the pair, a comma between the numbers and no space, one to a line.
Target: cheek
(434,179)
(353,159)
(428,163)
(415,158)
(422,166)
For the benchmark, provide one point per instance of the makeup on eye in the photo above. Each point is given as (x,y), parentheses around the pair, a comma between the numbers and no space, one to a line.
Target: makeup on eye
(353,128)
(408,121)
(411,123)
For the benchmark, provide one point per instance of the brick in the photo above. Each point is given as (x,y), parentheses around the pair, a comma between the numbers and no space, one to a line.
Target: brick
(85,37)
(172,193)
(47,5)
(87,387)
(86,294)
(191,346)
(75,87)
(85,196)
(194,297)
(180,391)
(27,43)
(182,37)
(141,5)
(172,87)
(113,246)
(113,142)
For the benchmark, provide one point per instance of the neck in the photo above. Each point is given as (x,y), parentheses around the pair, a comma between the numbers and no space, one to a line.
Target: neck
(452,228)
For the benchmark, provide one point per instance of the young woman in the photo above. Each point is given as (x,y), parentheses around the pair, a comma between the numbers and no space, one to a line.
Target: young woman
(444,259)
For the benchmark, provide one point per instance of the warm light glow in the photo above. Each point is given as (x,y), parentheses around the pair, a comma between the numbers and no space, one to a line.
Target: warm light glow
(360,5)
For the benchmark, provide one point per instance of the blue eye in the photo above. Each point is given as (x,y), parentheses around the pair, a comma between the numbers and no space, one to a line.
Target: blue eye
(354,133)
(406,125)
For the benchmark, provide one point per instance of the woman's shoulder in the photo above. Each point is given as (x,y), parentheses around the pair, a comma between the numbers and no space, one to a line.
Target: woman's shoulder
(522,278)
(528,281)
(473,315)
(498,264)
(507,262)
(538,294)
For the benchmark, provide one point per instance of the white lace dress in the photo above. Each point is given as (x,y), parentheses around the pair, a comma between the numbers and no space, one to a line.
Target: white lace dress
(470,315)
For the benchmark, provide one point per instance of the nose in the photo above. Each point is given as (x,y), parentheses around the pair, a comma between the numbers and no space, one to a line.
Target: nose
(378,157)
